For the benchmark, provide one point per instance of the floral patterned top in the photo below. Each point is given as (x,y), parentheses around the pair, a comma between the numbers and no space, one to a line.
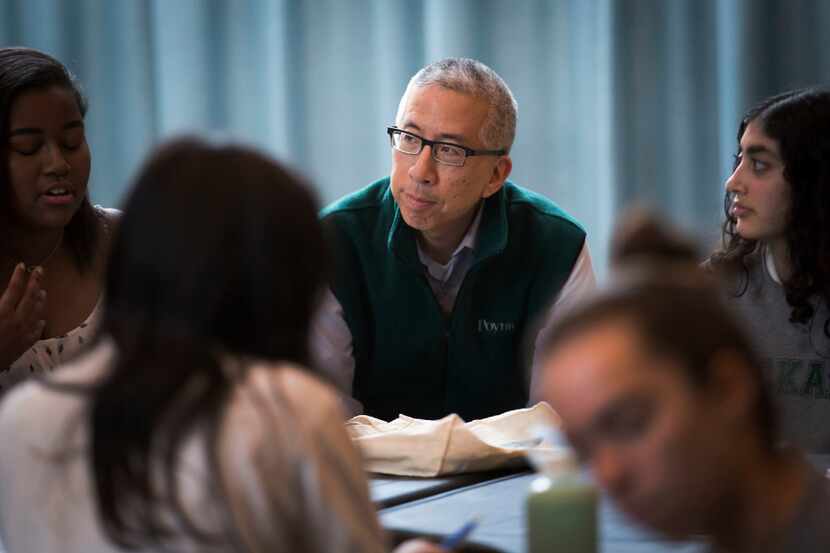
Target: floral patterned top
(47,354)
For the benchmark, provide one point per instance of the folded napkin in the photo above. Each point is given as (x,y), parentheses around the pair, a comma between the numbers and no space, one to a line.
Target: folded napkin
(417,447)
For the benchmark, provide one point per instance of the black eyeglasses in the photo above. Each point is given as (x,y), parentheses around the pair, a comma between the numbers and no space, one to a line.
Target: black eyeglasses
(443,152)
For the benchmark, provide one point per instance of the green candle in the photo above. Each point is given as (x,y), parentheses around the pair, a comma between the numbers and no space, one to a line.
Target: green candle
(562,514)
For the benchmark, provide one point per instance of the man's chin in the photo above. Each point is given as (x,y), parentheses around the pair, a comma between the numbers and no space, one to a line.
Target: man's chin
(416,222)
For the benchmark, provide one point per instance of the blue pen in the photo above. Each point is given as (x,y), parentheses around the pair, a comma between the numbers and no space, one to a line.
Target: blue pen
(453,540)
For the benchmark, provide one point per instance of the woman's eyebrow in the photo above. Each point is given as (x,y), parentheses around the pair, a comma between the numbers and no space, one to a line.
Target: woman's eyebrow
(758,149)
(32,130)
(25,130)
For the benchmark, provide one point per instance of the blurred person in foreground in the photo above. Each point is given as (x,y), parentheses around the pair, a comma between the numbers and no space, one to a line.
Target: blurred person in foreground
(660,393)
(195,422)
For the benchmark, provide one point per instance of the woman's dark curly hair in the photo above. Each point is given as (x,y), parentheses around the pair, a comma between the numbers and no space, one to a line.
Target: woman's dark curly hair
(800,122)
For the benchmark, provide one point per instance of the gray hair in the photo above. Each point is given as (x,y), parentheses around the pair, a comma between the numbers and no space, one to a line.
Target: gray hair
(472,77)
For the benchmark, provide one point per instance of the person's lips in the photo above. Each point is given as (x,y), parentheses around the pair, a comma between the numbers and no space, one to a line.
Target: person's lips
(59,194)
(739,210)
(418,203)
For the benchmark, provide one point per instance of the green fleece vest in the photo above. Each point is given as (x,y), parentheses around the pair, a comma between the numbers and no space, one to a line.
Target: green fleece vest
(409,357)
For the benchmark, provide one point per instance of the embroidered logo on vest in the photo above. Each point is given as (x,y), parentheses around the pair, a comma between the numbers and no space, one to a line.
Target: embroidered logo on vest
(495,327)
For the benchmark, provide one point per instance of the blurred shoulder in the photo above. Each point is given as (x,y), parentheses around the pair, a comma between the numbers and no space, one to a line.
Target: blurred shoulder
(37,409)
(109,217)
(283,394)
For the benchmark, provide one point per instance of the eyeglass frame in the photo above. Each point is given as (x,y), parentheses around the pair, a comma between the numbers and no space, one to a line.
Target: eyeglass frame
(468,152)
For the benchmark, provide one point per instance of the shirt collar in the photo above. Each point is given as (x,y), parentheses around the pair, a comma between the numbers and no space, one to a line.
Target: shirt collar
(769,263)
(467,242)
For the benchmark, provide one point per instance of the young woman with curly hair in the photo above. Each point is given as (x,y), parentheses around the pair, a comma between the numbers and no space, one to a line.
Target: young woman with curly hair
(776,253)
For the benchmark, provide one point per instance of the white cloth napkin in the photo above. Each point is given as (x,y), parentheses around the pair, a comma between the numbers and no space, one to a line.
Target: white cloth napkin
(416,447)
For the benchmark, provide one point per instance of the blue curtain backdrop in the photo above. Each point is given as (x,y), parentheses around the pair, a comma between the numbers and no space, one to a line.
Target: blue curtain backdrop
(619,101)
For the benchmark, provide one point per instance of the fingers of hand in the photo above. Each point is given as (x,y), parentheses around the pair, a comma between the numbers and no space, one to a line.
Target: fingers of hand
(34,298)
(23,307)
(419,546)
(14,291)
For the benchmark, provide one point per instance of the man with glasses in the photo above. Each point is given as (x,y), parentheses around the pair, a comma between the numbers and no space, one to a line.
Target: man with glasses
(444,269)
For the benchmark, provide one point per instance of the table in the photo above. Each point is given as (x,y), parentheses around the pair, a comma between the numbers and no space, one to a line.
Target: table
(500,505)
(441,505)
(389,491)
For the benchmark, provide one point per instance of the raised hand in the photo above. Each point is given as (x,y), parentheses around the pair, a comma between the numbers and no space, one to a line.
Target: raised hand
(22,309)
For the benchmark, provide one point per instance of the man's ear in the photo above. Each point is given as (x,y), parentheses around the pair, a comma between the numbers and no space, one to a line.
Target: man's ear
(501,170)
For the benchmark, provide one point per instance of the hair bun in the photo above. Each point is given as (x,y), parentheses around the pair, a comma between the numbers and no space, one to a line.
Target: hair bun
(641,237)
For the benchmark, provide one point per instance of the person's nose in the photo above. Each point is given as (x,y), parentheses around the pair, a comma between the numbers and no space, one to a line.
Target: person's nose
(609,469)
(735,183)
(423,170)
(56,163)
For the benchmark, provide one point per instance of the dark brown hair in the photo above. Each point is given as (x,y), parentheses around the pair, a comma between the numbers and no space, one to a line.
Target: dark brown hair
(219,252)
